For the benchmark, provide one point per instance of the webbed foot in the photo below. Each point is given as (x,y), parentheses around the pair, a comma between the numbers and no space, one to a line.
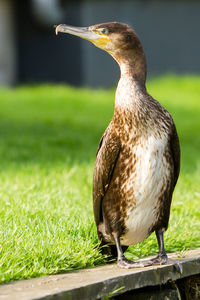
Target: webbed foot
(125,263)
(163,259)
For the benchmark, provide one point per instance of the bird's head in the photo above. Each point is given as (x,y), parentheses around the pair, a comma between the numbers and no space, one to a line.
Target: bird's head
(114,37)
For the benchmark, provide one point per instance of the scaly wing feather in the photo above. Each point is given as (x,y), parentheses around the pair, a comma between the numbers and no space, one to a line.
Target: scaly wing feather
(175,148)
(107,155)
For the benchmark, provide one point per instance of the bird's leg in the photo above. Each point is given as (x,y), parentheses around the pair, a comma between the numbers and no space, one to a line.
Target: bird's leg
(123,262)
(162,257)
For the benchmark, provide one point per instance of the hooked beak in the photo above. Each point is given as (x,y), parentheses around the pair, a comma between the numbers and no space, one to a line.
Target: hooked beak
(82,32)
(99,40)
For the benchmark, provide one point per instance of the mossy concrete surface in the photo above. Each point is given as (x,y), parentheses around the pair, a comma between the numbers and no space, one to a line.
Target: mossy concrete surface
(100,282)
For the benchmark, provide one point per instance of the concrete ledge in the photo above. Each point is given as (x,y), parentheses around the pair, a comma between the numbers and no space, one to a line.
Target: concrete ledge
(98,282)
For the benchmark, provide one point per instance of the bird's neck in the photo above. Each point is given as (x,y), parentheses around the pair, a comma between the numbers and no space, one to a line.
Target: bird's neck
(131,85)
(131,90)
(134,67)
(132,63)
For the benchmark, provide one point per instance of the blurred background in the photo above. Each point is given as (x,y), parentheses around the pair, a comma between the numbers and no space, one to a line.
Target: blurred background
(30,52)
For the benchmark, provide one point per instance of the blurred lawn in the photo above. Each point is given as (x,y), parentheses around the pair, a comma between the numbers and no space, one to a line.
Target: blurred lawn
(48,141)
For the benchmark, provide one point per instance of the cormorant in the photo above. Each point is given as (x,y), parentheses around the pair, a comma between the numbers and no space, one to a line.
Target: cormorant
(138,159)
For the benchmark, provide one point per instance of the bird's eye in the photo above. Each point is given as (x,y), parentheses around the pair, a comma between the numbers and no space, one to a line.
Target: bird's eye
(104,30)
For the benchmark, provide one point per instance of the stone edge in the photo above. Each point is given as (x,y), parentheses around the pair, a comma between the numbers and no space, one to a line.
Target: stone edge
(144,278)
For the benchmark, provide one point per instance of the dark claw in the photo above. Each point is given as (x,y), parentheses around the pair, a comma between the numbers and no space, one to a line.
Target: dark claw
(163,260)
(179,267)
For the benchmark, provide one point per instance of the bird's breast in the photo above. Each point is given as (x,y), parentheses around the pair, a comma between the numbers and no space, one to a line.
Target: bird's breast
(146,173)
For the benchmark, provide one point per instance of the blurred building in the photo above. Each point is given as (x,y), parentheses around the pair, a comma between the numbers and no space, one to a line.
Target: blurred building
(8,50)
(30,52)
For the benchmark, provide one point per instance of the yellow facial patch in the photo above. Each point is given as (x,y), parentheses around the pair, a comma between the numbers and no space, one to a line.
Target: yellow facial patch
(101,42)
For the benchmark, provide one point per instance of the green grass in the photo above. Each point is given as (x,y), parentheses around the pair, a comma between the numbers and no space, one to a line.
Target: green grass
(48,141)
